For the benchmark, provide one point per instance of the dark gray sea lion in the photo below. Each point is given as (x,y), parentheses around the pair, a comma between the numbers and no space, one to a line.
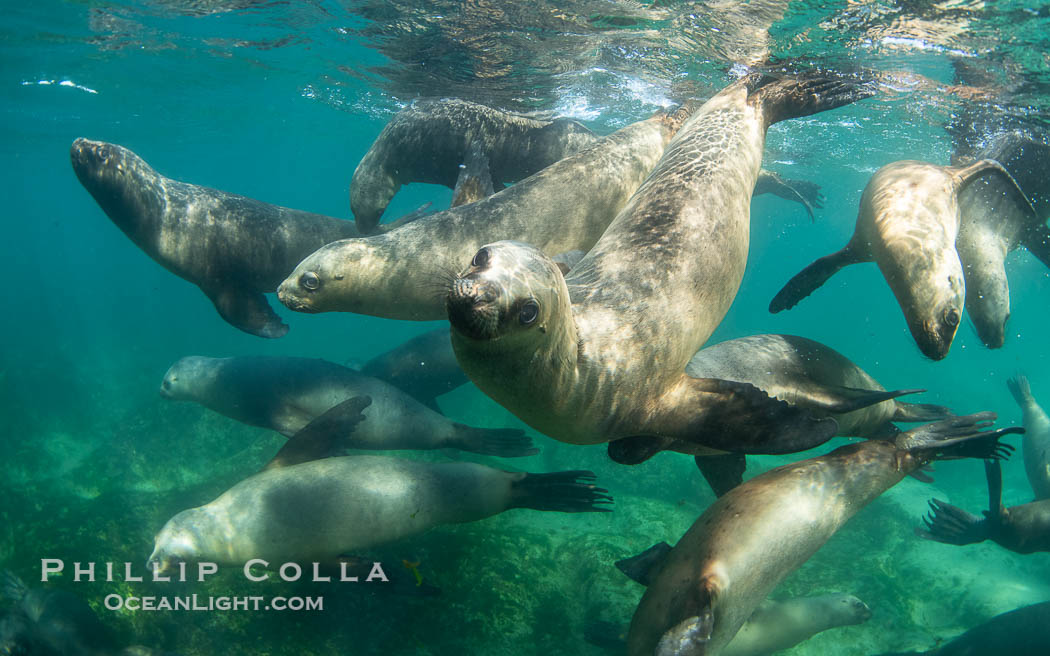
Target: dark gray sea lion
(1020,632)
(566,206)
(320,510)
(908,224)
(600,354)
(799,191)
(429,140)
(1023,529)
(1036,443)
(749,540)
(424,367)
(285,394)
(996,218)
(801,372)
(234,248)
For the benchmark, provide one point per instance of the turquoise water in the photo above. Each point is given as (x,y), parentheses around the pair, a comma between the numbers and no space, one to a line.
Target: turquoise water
(279,102)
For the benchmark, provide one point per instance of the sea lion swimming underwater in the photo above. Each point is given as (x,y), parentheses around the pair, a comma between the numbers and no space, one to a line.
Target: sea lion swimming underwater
(908,223)
(285,394)
(755,535)
(1036,444)
(234,248)
(600,354)
(1020,632)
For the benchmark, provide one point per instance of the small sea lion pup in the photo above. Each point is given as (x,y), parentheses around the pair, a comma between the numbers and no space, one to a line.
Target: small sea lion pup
(600,354)
(799,371)
(1021,529)
(749,540)
(320,510)
(430,140)
(1036,443)
(285,394)
(1019,632)
(996,220)
(234,248)
(566,206)
(908,223)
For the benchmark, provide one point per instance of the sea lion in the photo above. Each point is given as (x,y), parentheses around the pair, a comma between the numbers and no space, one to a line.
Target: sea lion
(1022,529)
(1036,443)
(749,540)
(774,626)
(908,223)
(801,372)
(803,192)
(600,354)
(1019,632)
(997,217)
(424,367)
(564,207)
(285,393)
(233,247)
(320,510)
(430,140)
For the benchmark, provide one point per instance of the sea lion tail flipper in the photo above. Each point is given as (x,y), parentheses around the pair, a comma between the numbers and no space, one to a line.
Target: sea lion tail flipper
(806,281)
(565,491)
(909,412)
(636,449)
(722,472)
(643,567)
(793,97)
(952,525)
(740,418)
(247,310)
(1020,388)
(475,180)
(324,437)
(504,442)
(691,635)
(959,437)
(606,635)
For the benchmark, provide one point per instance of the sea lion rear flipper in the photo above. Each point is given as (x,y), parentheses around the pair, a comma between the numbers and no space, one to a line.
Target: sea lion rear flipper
(722,472)
(1037,241)
(909,412)
(806,281)
(1020,389)
(793,97)
(952,525)
(691,635)
(738,417)
(636,449)
(322,437)
(475,180)
(643,567)
(959,437)
(771,183)
(504,442)
(565,491)
(247,310)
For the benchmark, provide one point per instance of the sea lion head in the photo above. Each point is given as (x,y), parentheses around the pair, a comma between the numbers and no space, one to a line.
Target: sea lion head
(933,310)
(184,379)
(179,541)
(844,609)
(126,188)
(327,278)
(510,292)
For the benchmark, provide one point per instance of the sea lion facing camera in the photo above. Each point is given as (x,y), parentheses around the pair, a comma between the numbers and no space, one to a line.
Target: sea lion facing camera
(600,354)
(234,248)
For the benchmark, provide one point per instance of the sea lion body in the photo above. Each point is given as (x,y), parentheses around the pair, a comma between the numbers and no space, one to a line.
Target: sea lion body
(233,247)
(775,626)
(564,207)
(429,140)
(594,354)
(751,538)
(1036,444)
(423,367)
(1019,632)
(322,509)
(285,394)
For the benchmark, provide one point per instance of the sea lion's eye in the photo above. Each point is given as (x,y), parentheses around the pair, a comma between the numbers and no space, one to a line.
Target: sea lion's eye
(310,281)
(951,317)
(529,312)
(481,258)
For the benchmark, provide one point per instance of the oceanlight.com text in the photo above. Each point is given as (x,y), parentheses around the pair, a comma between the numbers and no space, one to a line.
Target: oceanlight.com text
(212,603)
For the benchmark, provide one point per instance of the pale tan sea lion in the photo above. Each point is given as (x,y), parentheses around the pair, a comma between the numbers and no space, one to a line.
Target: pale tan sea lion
(749,540)
(564,207)
(908,224)
(1036,443)
(600,355)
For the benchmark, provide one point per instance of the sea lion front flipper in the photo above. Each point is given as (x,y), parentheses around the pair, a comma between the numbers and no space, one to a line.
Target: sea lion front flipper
(840,399)
(691,635)
(806,281)
(637,449)
(414,215)
(475,179)
(322,437)
(644,567)
(246,310)
(964,175)
(771,183)
(722,472)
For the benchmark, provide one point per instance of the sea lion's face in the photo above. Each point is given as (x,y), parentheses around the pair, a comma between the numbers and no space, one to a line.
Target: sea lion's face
(846,610)
(317,282)
(178,542)
(932,301)
(119,180)
(184,377)
(510,289)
